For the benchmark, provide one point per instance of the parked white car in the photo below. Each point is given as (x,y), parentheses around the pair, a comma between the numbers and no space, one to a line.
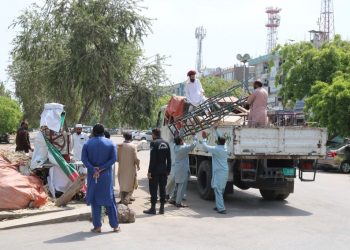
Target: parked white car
(134,133)
(144,135)
(142,145)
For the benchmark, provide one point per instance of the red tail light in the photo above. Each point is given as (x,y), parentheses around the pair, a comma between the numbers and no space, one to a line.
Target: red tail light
(306,165)
(247,165)
(331,154)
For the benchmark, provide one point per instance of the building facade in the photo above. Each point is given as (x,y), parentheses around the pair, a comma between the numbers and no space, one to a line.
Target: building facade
(177,89)
(235,73)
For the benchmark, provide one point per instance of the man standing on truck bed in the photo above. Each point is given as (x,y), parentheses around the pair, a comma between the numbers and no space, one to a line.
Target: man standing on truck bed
(158,171)
(258,105)
(219,169)
(194,90)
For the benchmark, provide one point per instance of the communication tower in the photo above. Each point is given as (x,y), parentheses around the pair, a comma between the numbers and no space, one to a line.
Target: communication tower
(327,20)
(273,22)
(200,34)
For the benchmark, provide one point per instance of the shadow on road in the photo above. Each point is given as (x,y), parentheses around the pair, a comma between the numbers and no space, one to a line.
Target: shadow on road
(74,237)
(241,203)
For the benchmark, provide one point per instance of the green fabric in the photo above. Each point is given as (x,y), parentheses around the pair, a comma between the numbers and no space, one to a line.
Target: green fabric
(63,117)
(67,168)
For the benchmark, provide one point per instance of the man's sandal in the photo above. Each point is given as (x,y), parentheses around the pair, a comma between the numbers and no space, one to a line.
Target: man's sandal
(181,205)
(96,230)
(116,230)
(172,202)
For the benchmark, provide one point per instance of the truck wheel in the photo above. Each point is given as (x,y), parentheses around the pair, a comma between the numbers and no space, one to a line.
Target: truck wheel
(204,180)
(272,195)
(281,197)
(268,194)
(345,167)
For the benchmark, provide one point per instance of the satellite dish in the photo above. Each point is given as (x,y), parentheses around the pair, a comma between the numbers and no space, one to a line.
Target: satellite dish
(239,57)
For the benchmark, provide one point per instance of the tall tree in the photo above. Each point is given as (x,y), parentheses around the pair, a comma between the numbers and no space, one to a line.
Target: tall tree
(321,77)
(303,65)
(83,54)
(4,91)
(329,104)
(214,85)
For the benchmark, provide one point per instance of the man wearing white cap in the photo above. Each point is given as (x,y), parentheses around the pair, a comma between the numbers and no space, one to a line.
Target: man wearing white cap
(79,139)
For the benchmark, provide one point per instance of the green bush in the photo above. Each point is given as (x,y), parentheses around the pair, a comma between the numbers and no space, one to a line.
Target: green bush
(10,115)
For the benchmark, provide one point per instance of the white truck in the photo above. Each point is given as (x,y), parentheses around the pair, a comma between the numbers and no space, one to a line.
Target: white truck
(266,158)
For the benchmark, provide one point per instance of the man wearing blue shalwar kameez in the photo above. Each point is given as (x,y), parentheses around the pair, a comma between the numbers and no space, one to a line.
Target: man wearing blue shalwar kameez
(219,169)
(181,169)
(98,155)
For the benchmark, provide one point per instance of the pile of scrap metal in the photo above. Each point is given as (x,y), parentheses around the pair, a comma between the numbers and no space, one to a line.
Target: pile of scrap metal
(49,166)
(179,115)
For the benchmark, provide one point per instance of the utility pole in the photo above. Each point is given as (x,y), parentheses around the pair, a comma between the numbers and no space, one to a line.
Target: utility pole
(244,59)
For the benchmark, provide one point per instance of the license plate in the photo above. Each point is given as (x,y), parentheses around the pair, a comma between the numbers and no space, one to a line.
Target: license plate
(289,171)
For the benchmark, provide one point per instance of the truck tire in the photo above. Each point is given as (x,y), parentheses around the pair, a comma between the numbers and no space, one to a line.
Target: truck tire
(269,195)
(281,197)
(204,180)
(345,167)
(273,195)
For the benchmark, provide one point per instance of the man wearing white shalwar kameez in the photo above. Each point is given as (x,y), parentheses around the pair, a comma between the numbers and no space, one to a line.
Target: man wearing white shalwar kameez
(194,90)
(79,139)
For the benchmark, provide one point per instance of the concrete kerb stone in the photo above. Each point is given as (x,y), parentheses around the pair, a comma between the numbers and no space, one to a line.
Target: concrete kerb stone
(14,214)
(81,213)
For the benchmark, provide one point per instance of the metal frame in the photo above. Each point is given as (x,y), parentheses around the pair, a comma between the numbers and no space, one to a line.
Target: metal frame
(206,114)
(314,170)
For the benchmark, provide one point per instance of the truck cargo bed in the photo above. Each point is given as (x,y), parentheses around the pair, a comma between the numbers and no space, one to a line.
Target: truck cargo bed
(272,142)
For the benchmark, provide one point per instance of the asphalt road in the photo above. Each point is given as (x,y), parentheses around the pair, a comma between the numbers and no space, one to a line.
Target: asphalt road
(316,216)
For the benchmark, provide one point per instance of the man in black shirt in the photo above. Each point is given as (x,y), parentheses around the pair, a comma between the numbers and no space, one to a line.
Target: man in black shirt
(158,171)
(22,138)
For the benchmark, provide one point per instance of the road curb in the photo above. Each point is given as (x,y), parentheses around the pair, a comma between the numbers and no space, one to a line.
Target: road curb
(11,215)
(78,214)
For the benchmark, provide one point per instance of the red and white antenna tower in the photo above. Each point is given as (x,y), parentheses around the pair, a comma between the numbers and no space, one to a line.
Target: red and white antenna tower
(273,22)
(327,20)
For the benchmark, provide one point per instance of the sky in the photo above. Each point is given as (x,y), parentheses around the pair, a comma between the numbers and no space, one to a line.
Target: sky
(233,26)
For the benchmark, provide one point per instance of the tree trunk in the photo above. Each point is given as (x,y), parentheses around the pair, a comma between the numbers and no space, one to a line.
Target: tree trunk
(106,109)
(85,110)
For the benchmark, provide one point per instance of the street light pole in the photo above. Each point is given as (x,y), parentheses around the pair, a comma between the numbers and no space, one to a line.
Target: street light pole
(244,80)
(244,59)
